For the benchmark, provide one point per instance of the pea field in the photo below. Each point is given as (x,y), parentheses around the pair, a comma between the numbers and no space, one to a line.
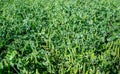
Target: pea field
(59,36)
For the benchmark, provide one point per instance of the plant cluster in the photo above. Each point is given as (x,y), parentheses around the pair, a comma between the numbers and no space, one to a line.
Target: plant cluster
(59,37)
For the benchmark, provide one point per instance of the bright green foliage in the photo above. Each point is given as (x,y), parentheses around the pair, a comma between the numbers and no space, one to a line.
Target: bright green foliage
(59,36)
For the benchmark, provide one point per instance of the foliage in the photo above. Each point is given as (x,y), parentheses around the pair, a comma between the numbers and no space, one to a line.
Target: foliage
(59,37)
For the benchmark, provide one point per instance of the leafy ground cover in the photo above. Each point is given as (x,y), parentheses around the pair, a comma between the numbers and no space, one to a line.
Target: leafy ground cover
(59,37)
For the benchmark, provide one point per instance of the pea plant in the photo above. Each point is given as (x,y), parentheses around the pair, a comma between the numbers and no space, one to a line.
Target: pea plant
(59,37)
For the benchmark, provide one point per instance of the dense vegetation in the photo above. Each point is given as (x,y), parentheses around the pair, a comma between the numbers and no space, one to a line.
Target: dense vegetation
(59,36)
